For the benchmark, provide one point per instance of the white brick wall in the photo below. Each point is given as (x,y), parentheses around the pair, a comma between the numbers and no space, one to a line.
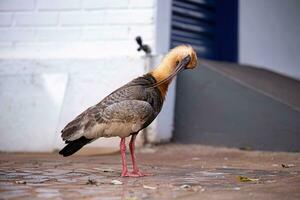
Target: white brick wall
(17,35)
(59,4)
(16,5)
(46,28)
(5,19)
(79,18)
(36,19)
(103,4)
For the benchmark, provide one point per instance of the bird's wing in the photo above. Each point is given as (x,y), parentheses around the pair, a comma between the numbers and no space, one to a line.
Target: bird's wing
(75,129)
(120,119)
(93,115)
(129,111)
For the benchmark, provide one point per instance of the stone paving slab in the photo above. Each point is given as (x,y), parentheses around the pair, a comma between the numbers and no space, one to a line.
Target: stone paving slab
(179,172)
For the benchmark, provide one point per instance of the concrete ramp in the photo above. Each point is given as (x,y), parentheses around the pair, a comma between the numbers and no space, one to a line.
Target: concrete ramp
(231,105)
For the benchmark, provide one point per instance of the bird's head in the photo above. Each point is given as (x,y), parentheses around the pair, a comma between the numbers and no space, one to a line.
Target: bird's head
(178,59)
(184,55)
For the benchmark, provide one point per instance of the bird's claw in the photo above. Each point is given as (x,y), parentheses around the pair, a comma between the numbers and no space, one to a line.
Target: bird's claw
(135,174)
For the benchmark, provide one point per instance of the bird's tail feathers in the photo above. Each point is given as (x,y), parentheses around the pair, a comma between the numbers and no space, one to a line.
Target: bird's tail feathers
(74,146)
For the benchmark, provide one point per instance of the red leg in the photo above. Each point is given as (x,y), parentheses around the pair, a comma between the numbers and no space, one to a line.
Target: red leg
(132,153)
(135,171)
(123,156)
(125,172)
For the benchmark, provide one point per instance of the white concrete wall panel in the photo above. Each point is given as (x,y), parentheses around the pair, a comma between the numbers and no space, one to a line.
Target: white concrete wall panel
(269,35)
(30,109)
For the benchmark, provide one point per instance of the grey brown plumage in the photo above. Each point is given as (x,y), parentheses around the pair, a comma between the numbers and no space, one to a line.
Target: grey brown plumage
(128,109)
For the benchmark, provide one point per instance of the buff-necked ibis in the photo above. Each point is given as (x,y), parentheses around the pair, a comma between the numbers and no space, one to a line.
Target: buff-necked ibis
(128,109)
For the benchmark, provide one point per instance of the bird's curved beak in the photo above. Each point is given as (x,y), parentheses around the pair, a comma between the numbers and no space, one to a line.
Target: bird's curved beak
(182,65)
(185,62)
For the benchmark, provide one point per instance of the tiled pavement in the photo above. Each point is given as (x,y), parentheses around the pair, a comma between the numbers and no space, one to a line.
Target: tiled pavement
(179,172)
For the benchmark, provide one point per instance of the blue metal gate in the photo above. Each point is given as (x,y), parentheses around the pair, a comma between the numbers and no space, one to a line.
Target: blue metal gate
(210,26)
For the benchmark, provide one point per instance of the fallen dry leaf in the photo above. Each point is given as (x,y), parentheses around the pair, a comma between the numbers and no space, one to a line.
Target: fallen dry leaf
(20,182)
(287,165)
(185,186)
(131,198)
(245,148)
(116,182)
(108,170)
(104,170)
(91,182)
(246,179)
(149,187)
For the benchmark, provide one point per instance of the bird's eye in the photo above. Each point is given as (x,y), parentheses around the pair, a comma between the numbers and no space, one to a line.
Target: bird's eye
(177,62)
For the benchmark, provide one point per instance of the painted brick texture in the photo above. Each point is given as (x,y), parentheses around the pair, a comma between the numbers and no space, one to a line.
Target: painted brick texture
(50,26)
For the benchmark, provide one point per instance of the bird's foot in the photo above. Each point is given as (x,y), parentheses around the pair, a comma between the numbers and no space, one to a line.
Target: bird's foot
(134,174)
(138,173)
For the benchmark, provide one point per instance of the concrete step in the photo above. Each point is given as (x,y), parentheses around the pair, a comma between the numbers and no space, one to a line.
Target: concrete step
(232,105)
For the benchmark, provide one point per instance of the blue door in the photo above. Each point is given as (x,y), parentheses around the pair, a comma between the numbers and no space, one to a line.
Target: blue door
(210,26)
